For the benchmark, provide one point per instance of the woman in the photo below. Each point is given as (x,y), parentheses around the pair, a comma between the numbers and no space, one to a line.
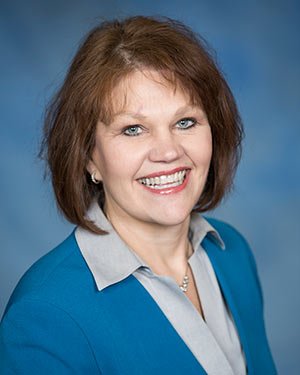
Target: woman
(143,135)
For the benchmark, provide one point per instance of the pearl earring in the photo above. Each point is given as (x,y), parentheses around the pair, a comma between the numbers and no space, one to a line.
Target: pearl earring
(93,178)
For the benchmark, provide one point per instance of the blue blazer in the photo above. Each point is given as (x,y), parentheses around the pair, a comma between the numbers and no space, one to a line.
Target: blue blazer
(57,322)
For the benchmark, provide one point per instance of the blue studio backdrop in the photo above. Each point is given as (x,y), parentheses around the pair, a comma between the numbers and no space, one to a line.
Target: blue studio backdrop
(259,50)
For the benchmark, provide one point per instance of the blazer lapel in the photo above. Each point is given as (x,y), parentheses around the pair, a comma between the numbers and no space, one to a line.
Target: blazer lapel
(239,287)
(143,329)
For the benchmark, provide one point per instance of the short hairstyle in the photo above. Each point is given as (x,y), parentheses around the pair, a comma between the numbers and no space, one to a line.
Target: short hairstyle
(109,53)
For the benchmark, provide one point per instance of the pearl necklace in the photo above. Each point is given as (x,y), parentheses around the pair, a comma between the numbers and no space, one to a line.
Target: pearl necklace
(185,281)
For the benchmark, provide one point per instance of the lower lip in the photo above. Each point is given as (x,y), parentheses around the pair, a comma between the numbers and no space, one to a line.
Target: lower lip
(172,190)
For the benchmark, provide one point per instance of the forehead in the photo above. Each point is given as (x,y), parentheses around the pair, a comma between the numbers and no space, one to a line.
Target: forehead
(141,88)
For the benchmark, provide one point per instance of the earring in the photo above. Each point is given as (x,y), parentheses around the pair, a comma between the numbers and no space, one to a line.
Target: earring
(93,178)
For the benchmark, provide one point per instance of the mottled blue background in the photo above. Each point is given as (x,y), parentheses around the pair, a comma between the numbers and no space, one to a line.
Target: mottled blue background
(258,47)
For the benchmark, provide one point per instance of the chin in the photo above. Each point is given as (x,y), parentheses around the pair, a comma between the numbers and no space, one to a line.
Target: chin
(171,217)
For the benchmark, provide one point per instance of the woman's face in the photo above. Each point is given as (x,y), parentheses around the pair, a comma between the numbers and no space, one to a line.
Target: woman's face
(153,158)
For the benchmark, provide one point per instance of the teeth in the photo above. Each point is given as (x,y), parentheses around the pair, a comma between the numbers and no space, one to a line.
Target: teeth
(164,182)
(170,178)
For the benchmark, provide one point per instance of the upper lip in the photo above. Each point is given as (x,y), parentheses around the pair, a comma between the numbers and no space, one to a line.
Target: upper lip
(165,173)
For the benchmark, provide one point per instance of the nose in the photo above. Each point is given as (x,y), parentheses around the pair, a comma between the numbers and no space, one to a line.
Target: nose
(166,149)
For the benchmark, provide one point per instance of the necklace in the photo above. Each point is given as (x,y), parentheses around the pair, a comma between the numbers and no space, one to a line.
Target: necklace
(185,281)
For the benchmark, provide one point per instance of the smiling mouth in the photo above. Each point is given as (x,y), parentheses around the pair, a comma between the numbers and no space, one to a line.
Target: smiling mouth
(164,181)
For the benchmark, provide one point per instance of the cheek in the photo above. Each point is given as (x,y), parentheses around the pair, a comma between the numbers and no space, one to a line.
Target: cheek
(110,164)
(200,149)
(117,162)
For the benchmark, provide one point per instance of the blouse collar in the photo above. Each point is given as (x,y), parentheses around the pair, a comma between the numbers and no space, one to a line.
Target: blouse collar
(109,258)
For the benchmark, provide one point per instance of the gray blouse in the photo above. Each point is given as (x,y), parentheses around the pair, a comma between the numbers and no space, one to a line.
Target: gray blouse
(214,342)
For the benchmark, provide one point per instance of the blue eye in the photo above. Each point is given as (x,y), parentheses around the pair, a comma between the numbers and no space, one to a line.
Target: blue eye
(132,130)
(186,123)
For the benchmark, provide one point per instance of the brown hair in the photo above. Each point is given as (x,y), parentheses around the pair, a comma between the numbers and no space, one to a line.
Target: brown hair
(109,53)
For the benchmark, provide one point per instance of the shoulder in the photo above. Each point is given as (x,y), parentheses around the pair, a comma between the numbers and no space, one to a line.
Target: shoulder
(237,255)
(233,240)
(43,313)
(55,275)
(229,234)
(51,307)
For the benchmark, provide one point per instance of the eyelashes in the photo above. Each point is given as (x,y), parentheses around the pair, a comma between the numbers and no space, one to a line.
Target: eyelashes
(186,123)
(132,130)
(182,124)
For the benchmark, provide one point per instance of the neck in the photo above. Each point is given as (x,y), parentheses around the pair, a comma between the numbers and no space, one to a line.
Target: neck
(163,248)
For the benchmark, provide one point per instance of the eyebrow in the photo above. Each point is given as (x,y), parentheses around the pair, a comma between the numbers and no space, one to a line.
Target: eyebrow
(180,111)
(131,114)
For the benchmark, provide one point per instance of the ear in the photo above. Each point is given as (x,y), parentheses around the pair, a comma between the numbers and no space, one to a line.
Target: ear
(92,167)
